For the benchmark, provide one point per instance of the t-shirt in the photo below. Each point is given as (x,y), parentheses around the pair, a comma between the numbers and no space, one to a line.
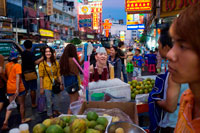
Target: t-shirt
(121,53)
(138,61)
(186,124)
(13,69)
(151,58)
(28,59)
(2,74)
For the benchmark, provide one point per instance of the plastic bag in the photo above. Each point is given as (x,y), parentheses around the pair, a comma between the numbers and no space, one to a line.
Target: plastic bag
(116,113)
(141,98)
(12,105)
(41,103)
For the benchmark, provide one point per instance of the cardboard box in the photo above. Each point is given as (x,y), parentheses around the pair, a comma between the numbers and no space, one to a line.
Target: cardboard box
(127,107)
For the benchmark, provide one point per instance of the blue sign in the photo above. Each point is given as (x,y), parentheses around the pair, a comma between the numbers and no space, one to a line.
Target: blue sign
(135,27)
(85,25)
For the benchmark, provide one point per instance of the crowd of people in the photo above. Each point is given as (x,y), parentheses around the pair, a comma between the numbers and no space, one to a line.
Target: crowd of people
(179,105)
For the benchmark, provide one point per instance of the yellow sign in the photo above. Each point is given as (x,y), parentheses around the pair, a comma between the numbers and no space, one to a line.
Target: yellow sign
(49,7)
(46,33)
(2,7)
(138,5)
(95,21)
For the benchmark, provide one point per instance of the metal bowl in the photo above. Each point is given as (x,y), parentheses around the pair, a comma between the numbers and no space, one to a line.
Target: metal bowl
(127,126)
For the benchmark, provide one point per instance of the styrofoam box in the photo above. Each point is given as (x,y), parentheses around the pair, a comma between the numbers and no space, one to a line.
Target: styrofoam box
(109,118)
(118,89)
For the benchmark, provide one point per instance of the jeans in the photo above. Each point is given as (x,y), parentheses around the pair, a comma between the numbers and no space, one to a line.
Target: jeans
(124,73)
(52,101)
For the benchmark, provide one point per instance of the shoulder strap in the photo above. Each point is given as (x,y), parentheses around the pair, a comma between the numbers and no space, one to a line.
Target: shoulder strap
(47,73)
(11,69)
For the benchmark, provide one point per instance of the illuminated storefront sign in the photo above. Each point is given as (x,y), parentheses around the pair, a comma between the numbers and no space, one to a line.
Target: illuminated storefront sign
(135,19)
(46,33)
(95,21)
(135,27)
(49,7)
(96,7)
(122,35)
(107,25)
(95,0)
(84,9)
(173,7)
(138,6)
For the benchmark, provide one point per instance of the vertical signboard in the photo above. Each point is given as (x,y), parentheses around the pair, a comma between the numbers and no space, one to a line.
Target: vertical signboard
(49,7)
(2,7)
(84,10)
(95,21)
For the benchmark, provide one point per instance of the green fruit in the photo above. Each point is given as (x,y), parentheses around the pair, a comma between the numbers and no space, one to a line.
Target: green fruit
(72,118)
(54,129)
(92,116)
(134,81)
(103,121)
(137,92)
(129,82)
(142,86)
(150,90)
(138,83)
(92,131)
(66,118)
(141,91)
(78,126)
(150,86)
(148,79)
(92,124)
(134,85)
(148,82)
(132,96)
(39,128)
(67,129)
(146,86)
(47,122)
(58,121)
(146,91)
(99,127)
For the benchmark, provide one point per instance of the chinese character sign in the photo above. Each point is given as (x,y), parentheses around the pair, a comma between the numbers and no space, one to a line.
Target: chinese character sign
(107,25)
(138,5)
(95,21)
(49,7)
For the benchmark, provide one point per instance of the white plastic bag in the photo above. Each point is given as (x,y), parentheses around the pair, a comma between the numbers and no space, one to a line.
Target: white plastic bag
(12,105)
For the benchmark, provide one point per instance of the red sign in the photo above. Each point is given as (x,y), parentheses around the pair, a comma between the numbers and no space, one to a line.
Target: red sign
(138,6)
(107,25)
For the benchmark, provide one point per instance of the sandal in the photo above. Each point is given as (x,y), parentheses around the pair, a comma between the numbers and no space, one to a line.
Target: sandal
(5,127)
(34,106)
(56,113)
(26,120)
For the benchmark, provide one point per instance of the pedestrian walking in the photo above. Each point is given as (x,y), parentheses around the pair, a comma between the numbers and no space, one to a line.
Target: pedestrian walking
(29,74)
(49,72)
(184,64)
(123,56)
(70,72)
(15,88)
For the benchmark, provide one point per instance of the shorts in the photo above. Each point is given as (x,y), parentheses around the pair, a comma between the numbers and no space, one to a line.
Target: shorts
(30,85)
(71,84)
(2,95)
(20,93)
(137,72)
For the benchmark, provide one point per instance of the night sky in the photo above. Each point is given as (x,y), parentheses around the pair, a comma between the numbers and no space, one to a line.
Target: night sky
(114,9)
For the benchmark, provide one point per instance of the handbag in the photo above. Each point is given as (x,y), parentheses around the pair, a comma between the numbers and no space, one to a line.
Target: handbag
(41,103)
(56,85)
(30,75)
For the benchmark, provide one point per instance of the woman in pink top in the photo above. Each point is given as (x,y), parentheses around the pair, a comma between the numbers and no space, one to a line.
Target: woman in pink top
(184,65)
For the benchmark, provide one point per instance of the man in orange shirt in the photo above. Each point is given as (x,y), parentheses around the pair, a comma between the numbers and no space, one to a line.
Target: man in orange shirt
(15,88)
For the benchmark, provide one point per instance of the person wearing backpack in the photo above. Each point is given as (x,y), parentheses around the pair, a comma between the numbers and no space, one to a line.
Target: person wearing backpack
(15,88)
(165,97)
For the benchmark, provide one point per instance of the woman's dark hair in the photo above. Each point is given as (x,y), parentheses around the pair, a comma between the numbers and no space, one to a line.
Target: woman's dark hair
(116,50)
(69,52)
(52,58)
